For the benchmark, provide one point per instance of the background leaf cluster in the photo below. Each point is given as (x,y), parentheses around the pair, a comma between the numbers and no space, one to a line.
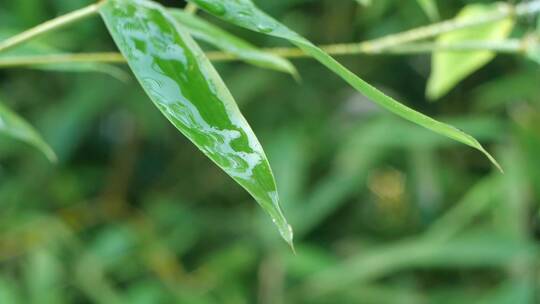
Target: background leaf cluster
(384,211)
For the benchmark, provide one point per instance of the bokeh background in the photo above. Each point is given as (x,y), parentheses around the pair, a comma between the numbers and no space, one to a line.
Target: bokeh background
(384,211)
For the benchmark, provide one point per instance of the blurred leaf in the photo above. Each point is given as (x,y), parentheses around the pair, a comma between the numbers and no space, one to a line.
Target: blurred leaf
(14,126)
(9,291)
(469,251)
(35,48)
(450,68)
(245,14)
(430,8)
(183,84)
(512,88)
(473,203)
(364,2)
(205,31)
(44,276)
(533,47)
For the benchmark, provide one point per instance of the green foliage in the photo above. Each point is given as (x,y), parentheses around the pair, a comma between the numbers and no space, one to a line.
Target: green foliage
(14,126)
(449,69)
(244,13)
(383,211)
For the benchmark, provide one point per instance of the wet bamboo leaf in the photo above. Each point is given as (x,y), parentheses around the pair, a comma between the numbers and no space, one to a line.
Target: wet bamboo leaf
(14,126)
(186,88)
(205,31)
(450,68)
(245,14)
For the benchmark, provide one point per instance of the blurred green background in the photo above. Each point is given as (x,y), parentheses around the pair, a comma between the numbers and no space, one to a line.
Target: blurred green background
(383,211)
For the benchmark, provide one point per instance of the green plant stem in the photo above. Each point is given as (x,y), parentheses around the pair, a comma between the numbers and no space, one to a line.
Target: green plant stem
(49,26)
(507,46)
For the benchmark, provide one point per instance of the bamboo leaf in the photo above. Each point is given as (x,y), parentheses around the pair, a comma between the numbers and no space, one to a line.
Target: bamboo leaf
(450,68)
(245,14)
(202,30)
(186,88)
(14,126)
(430,8)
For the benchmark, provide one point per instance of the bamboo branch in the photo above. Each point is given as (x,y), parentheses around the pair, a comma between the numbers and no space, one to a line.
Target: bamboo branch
(510,46)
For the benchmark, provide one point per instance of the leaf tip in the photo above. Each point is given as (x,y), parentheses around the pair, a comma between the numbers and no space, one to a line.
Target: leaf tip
(291,245)
(491,158)
(51,155)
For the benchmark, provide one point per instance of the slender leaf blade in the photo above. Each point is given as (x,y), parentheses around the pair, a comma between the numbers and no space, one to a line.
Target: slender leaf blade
(430,8)
(450,68)
(186,88)
(245,14)
(203,30)
(16,127)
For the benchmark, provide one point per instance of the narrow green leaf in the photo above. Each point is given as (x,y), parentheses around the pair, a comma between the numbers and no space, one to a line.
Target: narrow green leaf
(14,126)
(245,14)
(207,32)
(430,8)
(186,88)
(450,68)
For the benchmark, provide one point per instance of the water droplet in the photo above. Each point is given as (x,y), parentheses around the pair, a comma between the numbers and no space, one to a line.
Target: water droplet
(265,28)
(211,6)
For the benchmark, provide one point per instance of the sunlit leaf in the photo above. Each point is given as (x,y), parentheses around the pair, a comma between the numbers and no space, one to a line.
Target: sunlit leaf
(14,126)
(430,8)
(183,84)
(244,13)
(205,31)
(364,2)
(450,68)
(533,47)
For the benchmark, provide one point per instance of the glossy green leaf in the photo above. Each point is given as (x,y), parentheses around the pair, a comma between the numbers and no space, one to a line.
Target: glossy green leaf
(450,68)
(183,84)
(430,8)
(202,30)
(14,126)
(245,14)
(35,48)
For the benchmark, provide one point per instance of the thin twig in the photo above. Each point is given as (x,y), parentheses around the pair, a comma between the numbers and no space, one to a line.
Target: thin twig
(49,26)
